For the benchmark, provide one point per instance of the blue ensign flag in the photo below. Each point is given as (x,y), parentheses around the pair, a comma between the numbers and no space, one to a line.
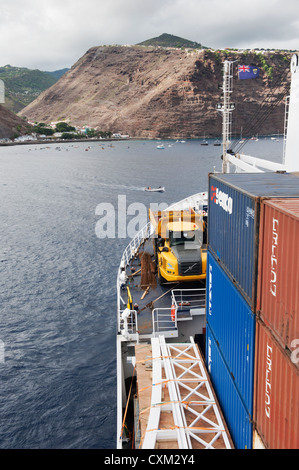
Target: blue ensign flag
(248,71)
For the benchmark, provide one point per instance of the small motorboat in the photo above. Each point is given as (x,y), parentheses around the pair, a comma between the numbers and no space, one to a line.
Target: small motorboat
(155,190)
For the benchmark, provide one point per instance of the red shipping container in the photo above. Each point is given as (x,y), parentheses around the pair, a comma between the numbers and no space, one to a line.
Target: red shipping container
(276,404)
(278,271)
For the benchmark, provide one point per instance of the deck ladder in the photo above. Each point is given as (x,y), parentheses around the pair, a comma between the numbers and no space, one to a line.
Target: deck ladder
(196,418)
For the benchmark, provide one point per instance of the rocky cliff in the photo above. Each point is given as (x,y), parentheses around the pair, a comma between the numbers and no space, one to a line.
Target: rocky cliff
(156,92)
(12,125)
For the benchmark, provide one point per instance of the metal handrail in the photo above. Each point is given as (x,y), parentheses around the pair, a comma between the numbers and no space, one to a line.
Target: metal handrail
(196,201)
(132,325)
(132,248)
(196,298)
(171,324)
(130,251)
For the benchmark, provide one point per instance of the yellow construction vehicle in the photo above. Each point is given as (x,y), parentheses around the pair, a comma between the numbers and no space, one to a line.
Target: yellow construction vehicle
(179,245)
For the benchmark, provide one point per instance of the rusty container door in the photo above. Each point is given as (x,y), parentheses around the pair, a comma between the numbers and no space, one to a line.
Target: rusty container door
(276,404)
(278,270)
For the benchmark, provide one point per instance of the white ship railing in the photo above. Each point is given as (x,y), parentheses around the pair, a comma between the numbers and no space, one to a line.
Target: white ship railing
(191,298)
(196,201)
(129,326)
(251,164)
(130,251)
(163,321)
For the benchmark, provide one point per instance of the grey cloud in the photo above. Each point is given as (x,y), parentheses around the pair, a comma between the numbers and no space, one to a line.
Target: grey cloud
(51,34)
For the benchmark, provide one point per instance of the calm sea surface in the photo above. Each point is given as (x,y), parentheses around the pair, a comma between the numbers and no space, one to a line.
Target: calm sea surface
(58,279)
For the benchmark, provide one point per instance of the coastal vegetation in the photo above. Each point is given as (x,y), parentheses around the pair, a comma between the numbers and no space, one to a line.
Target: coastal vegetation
(42,129)
(65,131)
(267,68)
(23,85)
(89,134)
(64,127)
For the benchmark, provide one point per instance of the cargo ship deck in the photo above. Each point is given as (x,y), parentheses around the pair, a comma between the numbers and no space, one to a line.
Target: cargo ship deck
(152,302)
(174,404)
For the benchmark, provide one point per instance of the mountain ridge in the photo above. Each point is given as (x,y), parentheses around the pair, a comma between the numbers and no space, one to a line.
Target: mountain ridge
(155,93)
(169,40)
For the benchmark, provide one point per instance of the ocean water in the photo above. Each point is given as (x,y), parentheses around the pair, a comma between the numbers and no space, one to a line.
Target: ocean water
(58,278)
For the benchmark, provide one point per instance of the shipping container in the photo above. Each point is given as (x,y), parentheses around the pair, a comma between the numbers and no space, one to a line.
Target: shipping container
(233,222)
(278,272)
(276,404)
(236,416)
(233,324)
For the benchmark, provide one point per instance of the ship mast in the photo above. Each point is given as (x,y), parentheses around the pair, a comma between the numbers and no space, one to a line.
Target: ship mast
(248,163)
(226,108)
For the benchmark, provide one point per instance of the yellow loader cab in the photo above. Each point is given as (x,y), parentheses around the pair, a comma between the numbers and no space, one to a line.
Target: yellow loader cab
(179,250)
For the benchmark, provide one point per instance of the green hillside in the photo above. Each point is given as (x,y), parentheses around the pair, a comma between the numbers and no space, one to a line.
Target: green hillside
(57,73)
(169,40)
(23,85)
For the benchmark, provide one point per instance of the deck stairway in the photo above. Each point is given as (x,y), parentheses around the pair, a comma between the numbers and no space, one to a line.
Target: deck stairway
(176,402)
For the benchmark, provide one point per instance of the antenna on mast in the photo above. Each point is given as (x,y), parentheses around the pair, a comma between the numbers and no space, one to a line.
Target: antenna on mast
(226,108)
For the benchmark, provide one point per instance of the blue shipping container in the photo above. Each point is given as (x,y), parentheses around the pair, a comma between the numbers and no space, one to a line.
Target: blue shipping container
(232,407)
(232,322)
(233,222)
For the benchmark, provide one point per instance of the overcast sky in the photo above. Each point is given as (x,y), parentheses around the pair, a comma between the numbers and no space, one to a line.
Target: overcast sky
(54,34)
